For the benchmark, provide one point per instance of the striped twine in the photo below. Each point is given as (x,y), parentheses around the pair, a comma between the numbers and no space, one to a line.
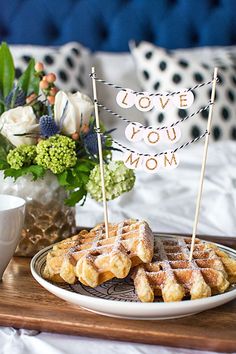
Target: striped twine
(151,94)
(150,127)
(123,147)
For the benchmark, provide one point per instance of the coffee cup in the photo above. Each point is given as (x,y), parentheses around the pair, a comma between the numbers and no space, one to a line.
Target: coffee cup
(12,214)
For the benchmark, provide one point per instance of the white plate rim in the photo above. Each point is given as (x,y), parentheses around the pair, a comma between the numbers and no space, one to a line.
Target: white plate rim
(225,297)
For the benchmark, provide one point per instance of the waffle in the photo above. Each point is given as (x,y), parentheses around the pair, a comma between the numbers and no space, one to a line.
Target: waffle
(93,259)
(171,275)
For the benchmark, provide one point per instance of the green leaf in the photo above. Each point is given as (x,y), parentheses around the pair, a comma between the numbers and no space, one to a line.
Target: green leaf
(62,178)
(76,197)
(4,142)
(3,154)
(36,171)
(3,164)
(28,82)
(5,147)
(2,108)
(74,180)
(84,177)
(69,179)
(7,71)
(84,167)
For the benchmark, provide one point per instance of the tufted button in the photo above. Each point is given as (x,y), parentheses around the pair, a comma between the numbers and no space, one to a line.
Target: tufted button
(103,33)
(233,37)
(53,31)
(194,38)
(4,32)
(151,37)
(215,3)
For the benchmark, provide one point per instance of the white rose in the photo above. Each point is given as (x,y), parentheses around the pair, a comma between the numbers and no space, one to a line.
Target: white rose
(19,120)
(79,107)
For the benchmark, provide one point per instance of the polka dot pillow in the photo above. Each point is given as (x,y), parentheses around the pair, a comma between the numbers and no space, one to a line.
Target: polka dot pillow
(70,62)
(159,70)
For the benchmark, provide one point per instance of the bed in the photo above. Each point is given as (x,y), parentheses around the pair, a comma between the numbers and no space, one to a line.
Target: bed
(182,31)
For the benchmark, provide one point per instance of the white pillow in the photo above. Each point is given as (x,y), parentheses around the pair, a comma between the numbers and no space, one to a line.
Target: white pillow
(70,62)
(160,70)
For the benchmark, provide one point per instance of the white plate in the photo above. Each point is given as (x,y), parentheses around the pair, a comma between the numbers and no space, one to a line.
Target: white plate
(116,298)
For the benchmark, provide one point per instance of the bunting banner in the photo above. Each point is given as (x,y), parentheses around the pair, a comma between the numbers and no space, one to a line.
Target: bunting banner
(154,137)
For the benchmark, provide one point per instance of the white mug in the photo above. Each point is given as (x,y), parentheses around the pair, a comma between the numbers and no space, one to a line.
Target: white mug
(12,214)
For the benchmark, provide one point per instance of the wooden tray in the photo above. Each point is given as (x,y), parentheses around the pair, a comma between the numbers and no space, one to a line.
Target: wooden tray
(25,304)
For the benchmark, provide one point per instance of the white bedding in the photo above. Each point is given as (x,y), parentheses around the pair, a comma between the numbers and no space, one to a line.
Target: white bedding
(22,341)
(167,201)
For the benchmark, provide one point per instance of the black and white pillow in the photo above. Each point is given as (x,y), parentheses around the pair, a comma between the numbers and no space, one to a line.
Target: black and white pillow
(70,62)
(159,70)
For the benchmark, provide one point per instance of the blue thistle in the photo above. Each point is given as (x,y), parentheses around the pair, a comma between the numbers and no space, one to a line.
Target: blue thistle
(48,126)
(15,98)
(91,142)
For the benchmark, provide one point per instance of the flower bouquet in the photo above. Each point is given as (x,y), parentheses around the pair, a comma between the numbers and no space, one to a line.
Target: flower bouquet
(49,135)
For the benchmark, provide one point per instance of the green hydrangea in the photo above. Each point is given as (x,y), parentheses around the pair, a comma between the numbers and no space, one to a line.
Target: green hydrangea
(118,179)
(56,153)
(23,155)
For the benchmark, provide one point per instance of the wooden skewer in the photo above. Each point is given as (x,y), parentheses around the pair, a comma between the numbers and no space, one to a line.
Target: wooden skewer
(100,154)
(199,196)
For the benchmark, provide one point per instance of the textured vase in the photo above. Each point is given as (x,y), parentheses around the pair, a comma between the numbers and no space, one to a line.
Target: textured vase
(48,219)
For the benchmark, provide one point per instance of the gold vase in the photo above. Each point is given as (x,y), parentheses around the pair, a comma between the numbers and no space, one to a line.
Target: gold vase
(47,219)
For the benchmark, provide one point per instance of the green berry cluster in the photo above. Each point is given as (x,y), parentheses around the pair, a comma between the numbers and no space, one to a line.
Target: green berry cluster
(118,179)
(56,153)
(23,155)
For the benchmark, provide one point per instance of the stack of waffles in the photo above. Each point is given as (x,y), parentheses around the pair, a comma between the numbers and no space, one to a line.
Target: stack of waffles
(159,267)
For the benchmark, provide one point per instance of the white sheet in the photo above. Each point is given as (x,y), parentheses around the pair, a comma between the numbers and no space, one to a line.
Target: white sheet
(167,201)
(29,342)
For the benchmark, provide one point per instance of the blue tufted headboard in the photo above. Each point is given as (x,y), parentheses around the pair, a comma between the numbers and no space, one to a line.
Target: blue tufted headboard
(110,24)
